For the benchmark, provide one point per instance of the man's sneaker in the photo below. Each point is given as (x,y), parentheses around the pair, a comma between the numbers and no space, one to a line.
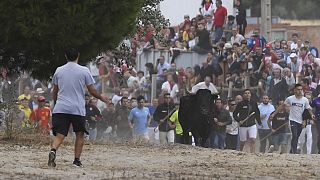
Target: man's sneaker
(77,163)
(298,151)
(271,149)
(52,158)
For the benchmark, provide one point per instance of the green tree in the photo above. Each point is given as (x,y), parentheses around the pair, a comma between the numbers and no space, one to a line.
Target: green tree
(149,16)
(35,33)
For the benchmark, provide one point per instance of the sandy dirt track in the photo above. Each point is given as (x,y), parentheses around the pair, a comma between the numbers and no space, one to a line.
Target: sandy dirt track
(132,161)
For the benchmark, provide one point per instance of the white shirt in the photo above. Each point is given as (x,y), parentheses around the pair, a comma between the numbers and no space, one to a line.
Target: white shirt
(142,81)
(173,92)
(290,80)
(232,128)
(101,105)
(160,67)
(192,43)
(297,106)
(116,99)
(202,85)
(93,69)
(294,45)
(265,110)
(317,61)
(209,11)
(130,81)
(237,39)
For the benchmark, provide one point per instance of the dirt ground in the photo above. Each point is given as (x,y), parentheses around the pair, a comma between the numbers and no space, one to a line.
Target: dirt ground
(143,161)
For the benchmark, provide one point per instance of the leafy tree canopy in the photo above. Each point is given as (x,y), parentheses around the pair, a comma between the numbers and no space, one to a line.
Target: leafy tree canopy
(35,33)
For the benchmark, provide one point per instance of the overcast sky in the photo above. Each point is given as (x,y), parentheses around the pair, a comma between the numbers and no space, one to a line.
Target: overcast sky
(176,9)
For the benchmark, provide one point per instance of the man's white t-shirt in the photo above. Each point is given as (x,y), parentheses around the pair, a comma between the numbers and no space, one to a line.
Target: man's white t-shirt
(297,106)
(265,110)
(72,80)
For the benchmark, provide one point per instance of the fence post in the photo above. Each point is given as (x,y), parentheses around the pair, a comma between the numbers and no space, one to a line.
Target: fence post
(246,80)
(103,84)
(230,89)
(153,86)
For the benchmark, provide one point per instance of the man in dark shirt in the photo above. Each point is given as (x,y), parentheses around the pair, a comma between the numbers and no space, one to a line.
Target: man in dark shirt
(107,122)
(243,114)
(278,87)
(166,132)
(256,57)
(206,70)
(241,17)
(222,119)
(204,45)
(122,126)
(92,116)
(280,128)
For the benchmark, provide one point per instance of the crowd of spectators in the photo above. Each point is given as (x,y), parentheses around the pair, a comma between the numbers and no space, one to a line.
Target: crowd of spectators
(233,60)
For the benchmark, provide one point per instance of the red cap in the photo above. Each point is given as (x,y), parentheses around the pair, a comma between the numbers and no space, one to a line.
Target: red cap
(268,46)
(41,98)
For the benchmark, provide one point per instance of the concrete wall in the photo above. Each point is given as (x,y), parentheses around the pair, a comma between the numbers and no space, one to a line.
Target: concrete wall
(310,32)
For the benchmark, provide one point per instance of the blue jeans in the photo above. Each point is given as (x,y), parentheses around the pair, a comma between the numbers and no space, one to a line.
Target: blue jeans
(296,129)
(218,34)
(217,140)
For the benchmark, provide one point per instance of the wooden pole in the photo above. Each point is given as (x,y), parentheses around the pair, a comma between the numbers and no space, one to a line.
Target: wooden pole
(153,86)
(230,89)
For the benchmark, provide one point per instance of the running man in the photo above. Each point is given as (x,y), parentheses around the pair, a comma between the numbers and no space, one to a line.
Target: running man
(297,104)
(279,128)
(248,128)
(69,83)
(139,120)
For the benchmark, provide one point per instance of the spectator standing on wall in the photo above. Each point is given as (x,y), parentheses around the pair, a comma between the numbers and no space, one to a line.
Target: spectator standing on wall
(207,8)
(220,18)
(203,44)
(161,67)
(241,17)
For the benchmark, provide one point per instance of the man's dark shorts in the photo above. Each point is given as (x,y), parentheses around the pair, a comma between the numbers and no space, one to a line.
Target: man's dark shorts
(61,123)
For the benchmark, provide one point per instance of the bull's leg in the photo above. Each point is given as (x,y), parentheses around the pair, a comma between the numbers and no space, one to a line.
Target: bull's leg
(197,141)
(205,142)
(185,137)
(242,143)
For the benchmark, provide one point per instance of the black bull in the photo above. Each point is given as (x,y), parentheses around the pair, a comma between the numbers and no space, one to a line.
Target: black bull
(196,114)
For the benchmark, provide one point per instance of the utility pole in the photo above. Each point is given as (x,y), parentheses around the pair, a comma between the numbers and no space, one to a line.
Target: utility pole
(266,19)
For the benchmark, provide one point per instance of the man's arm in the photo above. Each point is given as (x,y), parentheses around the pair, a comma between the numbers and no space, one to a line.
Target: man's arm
(130,119)
(270,119)
(310,110)
(258,114)
(229,119)
(55,91)
(92,90)
(261,65)
(236,112)
(311,113)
